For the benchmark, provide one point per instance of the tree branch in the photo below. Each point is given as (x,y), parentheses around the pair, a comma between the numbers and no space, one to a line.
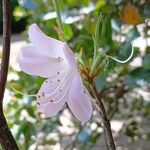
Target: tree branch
(6,139)
(106,123)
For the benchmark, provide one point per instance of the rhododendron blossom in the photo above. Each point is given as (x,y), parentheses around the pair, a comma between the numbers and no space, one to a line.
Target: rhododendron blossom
(54,60)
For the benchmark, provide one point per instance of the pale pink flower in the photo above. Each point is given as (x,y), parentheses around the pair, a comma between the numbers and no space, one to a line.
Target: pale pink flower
(53,59)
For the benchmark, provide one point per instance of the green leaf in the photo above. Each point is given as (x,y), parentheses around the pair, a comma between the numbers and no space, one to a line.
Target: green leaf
(146,61)
(98,31)
(49,142)
(108,9)
(30,111)
(106,32)
(23,126)
(138,77)
(75,3)
(100,4)
(84,2)
(67,31)
(125,51)
(132,34)
(94,138)
(147,50)
(130,132)
(15,85)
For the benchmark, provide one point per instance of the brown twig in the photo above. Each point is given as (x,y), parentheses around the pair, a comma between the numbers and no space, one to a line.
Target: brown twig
(6,139)
(106,123)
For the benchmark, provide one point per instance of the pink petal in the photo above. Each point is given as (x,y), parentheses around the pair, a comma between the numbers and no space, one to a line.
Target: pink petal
(53,88)
(49,46)
(69,56)
(33,62)
(79,100)
(51,109)
(52,95)
(50,105)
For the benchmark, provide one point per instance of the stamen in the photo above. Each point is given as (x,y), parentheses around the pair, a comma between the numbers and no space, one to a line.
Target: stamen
(85,92)
(39,96)
(51,101)
(43,94)
(38,103)
(58,80)
(60,59)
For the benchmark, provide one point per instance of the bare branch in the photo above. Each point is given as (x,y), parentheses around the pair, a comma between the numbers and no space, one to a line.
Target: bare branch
(6,139)
(106,123)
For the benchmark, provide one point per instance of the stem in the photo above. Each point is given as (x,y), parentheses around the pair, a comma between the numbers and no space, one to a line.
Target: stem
(59,21)
(6,139)
(106,123)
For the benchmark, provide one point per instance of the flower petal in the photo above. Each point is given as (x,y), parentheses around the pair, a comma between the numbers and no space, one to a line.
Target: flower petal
(51,103)
(51,109)
(46,45)
(33,62)
(69,56)
(53,87)
(79,100)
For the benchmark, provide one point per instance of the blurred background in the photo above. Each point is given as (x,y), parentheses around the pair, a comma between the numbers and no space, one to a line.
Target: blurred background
(124,88)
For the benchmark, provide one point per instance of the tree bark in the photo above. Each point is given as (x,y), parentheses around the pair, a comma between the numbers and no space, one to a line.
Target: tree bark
(6,139)
(106,123)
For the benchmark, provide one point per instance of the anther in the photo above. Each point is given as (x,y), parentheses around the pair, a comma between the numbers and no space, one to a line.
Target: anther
(51,101)
(59,58)
(39,96)
(43,94)
(58,80)
(84,92)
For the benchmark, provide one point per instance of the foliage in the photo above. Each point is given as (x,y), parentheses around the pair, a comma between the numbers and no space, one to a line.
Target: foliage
(120,85)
